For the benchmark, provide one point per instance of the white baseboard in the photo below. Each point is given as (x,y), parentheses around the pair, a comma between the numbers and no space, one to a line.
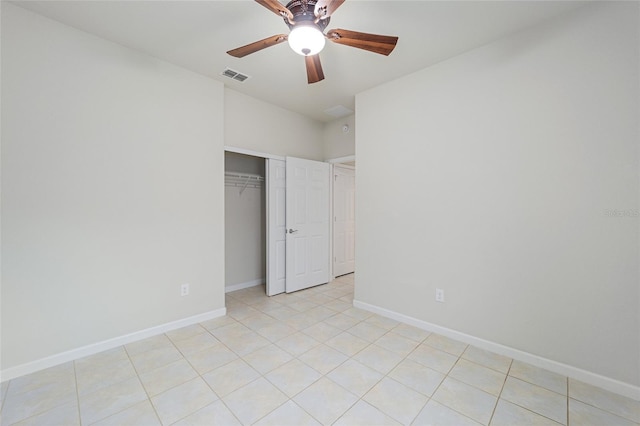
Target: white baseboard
(241,286)
(612,385)
(61,358)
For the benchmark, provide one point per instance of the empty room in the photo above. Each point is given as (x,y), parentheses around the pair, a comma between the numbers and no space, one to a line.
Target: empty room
(320,212)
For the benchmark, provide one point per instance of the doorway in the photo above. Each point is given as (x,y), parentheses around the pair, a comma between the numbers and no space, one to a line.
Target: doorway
(245,214)
(308,216)
(344,219)
(298,224)
(277,222)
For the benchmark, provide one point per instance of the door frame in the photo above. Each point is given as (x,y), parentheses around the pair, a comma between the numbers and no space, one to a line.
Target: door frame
(264,156)
(252,153)
(333,212)
(333,161)
(338,161)
(311,229)
(273,231)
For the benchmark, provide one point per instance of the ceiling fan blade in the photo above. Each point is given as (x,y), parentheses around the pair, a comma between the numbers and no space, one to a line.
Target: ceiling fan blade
(314,69)
(243,51)
(276,7)
(376,43)
(324,8)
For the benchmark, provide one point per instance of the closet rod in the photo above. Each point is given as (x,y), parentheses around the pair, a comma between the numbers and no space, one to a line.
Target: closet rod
(244,176)
(243,180)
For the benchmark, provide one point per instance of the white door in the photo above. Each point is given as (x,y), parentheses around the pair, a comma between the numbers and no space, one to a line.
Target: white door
(276,184)
(344,225)
(307,219)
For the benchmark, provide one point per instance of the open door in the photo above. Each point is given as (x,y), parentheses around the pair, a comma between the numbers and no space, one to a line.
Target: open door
(344,220)
(307,218)
(276,184)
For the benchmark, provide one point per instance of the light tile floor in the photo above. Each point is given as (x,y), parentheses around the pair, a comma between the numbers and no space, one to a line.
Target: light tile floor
(305,358)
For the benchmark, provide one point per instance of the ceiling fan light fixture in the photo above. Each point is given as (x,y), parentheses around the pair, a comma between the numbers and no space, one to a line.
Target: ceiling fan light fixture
(306,40)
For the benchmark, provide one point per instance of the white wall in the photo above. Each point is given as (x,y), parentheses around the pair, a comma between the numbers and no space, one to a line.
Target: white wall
(241,163)
(112,176)
(255,125)
(490,178)
(245,229)
(337,143)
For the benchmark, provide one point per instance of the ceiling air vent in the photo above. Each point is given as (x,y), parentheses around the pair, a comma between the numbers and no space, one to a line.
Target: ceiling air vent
(339,111)
(235,75)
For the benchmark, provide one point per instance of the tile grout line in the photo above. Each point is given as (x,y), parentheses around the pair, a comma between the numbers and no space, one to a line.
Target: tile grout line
(406,356)
(4,395)
(321,319)
(75,379)
(567,387)
(506,376)
(200,376)
(216,394)
(38,413)
(143,388)
(391,378)
(207,383)
(263,376)
(137,375)
(430,397)
(532,384)
(446,376)
(606,410)
(297,357)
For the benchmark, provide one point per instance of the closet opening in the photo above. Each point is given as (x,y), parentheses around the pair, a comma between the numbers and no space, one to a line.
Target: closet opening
(277,222)
(245,221)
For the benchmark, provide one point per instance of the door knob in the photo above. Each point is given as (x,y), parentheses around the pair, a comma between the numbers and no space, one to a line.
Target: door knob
(291,231)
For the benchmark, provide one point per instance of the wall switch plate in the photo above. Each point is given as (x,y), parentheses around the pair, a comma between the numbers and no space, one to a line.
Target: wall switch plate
(439,295)
(184,290)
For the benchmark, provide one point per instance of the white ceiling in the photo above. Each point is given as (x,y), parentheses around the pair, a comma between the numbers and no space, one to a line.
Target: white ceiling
(196,34)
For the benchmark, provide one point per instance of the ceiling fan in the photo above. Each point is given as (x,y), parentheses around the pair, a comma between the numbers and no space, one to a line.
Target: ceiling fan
(307,20)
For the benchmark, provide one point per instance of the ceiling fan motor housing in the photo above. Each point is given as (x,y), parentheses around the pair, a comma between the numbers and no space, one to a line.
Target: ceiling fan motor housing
(303,13)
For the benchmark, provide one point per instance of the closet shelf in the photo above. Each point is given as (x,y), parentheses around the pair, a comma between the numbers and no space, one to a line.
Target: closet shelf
(243,180)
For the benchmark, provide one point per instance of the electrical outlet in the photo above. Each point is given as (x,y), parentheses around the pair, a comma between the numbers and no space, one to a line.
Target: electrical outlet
(184,290)
(439,295)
